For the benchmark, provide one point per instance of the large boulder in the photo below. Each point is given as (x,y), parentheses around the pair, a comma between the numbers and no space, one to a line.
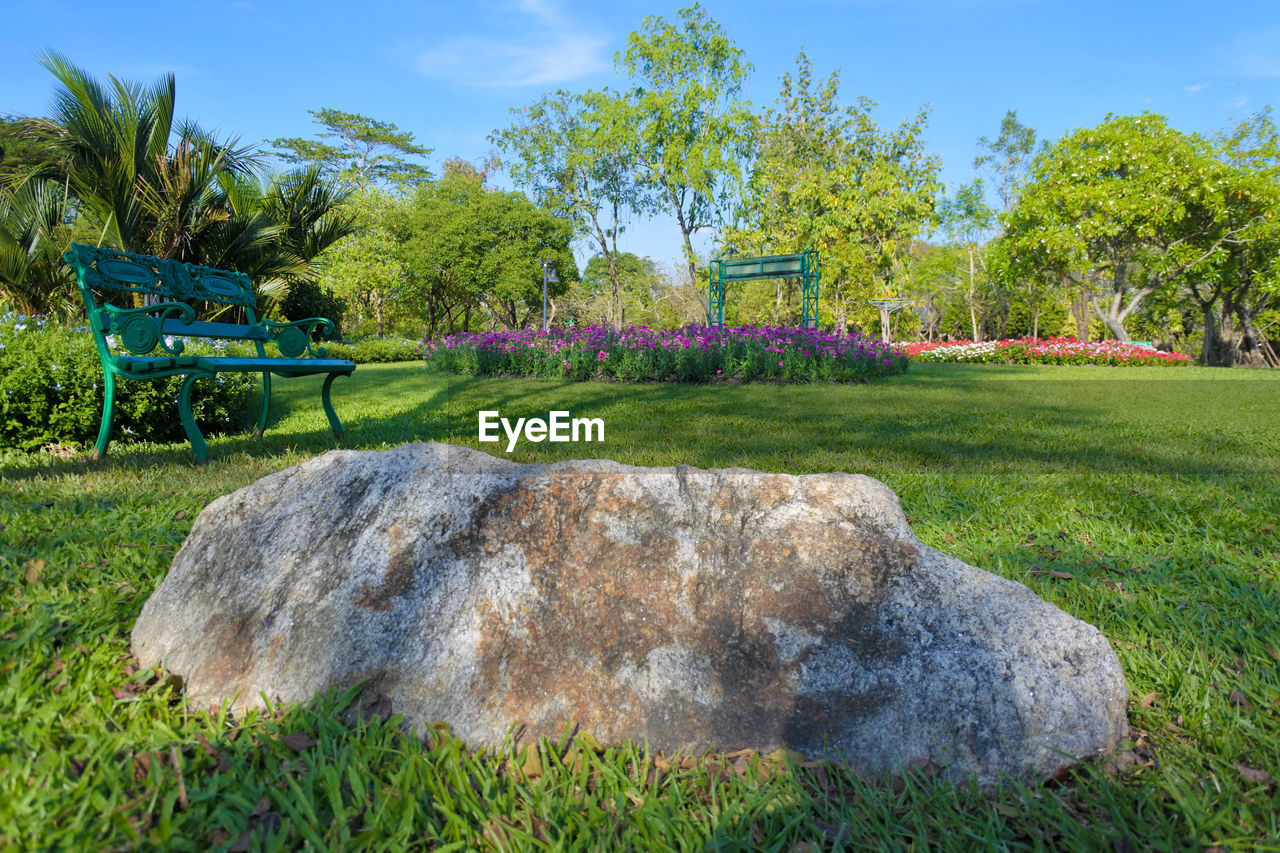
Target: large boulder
(691,609)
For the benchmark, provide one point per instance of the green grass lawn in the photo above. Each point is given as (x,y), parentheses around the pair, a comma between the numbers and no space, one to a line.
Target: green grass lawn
(1143,500)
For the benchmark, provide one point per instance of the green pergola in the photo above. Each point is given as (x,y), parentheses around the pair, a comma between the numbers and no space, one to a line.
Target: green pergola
(803,266)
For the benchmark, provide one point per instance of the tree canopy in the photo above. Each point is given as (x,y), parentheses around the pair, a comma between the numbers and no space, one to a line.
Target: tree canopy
(358,151)
(827,177)
(692,130)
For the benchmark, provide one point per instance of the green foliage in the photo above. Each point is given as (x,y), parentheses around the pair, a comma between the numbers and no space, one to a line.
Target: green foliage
(1125,209)
(1100,495)
(642,288)
(112,166)
(33,235)
(51,392)
(692,131)
(142,193)
(1237,287)
(966,216)
(1008,157)
(827,178)
(275,231)
(577,155)
(363,268)
(469,249)
(306,300)
(374,350)
(369,153)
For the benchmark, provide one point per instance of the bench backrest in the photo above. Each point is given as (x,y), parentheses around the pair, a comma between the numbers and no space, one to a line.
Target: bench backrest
(113,284)
(101,269)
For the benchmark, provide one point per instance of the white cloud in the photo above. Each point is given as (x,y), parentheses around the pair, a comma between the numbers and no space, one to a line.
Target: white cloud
(1196,87)
(1236,102)
(542,49)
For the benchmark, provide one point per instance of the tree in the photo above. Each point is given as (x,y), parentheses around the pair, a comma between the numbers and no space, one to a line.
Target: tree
(277,231)
(367,153)
(1008,158)
(827,177)
(34,233)
(111,165)
(1240,281)
(1123,209)
(364,268)
(125,173)
(968,219)
(691,129)
(468,248)
(139,191)
(643,290)
(577,154)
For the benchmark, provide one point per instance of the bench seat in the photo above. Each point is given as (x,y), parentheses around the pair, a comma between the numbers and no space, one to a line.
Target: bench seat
(218,364)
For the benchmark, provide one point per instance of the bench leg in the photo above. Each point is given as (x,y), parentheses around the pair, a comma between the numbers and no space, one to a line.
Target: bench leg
(334,423)
(266,407)
(198,447)
(108,413)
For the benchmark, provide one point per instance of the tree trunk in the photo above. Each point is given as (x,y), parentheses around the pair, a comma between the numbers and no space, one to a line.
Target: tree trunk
(1080,311)
(1219,339)
(1251,350)
(686,231)
(973,298)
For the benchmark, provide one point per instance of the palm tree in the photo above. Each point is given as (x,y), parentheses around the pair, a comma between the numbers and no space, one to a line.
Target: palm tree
(140,193)
(275,232)
(33,236)
(135,178)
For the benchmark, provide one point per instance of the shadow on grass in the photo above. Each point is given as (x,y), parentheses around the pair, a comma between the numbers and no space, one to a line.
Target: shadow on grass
(1169,428)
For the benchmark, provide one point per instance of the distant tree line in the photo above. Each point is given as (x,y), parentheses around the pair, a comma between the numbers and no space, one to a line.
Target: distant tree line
(1130,229)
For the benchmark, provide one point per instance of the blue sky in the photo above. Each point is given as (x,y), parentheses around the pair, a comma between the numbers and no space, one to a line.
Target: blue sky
(451,72)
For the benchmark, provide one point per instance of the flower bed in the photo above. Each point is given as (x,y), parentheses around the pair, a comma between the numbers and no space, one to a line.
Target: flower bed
(1043,351)
(691,354)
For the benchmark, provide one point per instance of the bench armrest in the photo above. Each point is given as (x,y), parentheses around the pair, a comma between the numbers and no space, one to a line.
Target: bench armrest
(139,329)
(295,337)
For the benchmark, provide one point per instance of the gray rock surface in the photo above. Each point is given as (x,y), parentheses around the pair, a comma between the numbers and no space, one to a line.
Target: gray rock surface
(693,609)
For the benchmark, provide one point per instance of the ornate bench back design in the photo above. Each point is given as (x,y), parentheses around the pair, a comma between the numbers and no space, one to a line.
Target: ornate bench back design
(99,270)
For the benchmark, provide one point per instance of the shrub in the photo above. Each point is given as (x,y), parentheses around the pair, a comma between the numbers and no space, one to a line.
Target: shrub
(51,392)
(373,350)
(691,354)
(306,300)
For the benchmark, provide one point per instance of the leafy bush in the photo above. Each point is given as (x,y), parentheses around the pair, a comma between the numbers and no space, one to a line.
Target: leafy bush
(691,354)
(51,392)
(373,350)
(307,300)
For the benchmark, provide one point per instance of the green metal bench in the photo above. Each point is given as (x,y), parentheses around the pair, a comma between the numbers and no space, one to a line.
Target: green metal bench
(149,304)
